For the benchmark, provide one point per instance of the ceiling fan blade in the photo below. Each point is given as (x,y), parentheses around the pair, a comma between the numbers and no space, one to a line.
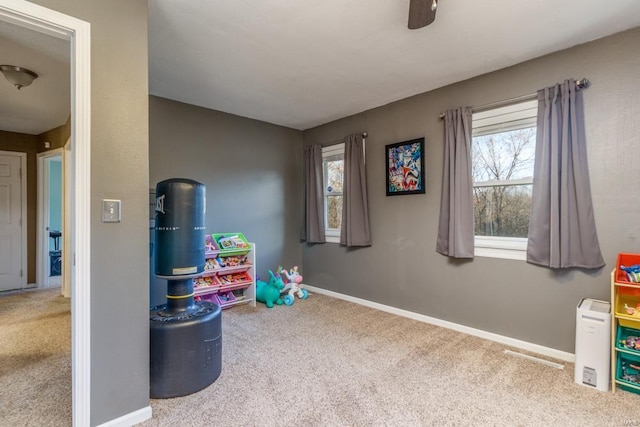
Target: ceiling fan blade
(420,14)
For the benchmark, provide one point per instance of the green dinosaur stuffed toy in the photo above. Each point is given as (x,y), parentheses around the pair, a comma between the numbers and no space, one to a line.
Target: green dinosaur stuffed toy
(269,293)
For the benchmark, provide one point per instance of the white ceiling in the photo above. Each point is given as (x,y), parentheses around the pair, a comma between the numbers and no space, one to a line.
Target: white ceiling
(45,104)
(301,63)
(304,63)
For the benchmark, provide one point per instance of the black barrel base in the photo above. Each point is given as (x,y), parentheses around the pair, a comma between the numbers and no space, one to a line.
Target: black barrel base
(186,350)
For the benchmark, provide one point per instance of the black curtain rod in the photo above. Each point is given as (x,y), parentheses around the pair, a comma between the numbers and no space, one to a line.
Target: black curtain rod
(580,84)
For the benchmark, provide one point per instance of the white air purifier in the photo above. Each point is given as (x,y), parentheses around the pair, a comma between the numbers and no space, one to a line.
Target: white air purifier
(593,344)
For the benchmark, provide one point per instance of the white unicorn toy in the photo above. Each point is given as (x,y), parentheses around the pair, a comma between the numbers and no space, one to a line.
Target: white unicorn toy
(293,285)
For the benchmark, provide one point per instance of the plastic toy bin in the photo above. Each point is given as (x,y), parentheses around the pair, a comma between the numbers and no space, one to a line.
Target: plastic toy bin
(628,371)
(626,260)
(629,297)
(206,285)
(225,243)
(209,298)
(623,334)
(225,299)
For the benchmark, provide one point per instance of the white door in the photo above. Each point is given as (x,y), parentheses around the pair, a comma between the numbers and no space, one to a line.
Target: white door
(10,223)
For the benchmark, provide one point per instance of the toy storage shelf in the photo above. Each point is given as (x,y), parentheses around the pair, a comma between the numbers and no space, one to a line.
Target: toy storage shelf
(625,327)
(229,277)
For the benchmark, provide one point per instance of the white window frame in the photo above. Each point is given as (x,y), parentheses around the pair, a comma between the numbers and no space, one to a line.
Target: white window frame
(332,235)
(495,120)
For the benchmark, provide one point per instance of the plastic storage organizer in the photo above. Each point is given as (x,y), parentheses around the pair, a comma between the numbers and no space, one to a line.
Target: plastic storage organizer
(625,300)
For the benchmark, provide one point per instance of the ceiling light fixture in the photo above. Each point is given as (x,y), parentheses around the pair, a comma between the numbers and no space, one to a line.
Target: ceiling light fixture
(18,76)
(421,13)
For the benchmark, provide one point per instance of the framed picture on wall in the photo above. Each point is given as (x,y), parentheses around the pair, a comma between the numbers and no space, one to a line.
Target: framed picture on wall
(405,167)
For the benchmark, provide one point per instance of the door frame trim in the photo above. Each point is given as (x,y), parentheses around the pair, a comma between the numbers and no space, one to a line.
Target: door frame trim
(23,214)
(78,32)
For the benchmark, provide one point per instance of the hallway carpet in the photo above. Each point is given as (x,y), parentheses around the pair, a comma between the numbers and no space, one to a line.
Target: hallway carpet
(35,358)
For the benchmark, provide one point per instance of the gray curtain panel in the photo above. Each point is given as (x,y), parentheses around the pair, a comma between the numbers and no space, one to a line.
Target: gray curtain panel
(562,231)
(313,231)
(355,229)
(455,231)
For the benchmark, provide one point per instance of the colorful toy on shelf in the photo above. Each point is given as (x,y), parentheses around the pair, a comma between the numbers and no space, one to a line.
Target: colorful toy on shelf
(293,281)
(269,293)
(208,244)
(203,281)
(210,264)
(632,272)
(232,242)
(235,278)
(631,342)
(232,261)
(631,377)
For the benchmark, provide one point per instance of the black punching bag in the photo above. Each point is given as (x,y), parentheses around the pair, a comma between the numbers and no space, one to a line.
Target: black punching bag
(180,231)
(186,336)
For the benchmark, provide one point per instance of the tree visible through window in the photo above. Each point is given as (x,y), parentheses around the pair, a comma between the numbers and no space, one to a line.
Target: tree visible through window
(503,151)
(502,172)
(333,173)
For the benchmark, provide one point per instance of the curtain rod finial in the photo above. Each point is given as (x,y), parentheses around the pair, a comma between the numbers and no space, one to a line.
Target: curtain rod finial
(364,134)
(583,83)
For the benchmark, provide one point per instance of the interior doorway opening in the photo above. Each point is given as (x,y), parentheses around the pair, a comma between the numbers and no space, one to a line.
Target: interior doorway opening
(77,32)
(53,207)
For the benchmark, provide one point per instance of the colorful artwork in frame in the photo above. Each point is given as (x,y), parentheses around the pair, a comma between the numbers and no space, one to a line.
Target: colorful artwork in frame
(405,167)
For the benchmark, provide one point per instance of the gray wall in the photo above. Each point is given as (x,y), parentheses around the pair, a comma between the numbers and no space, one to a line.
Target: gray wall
(251,170)
(511,298)
(119,170)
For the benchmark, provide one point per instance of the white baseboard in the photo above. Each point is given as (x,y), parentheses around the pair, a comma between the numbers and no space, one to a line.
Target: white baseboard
(512,342)
(130,419)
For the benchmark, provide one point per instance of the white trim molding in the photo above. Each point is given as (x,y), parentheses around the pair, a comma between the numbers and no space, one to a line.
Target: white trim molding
(501,247)
(47,21)
(512,342)
(130,419)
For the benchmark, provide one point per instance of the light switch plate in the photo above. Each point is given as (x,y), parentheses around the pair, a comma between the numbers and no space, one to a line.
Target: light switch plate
(110,210)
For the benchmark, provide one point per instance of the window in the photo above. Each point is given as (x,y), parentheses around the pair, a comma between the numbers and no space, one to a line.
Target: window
(503,151)
(333,172)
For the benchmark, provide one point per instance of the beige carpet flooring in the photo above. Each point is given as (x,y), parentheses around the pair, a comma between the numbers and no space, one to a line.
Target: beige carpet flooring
(320,362)
(35,358)
(327,362)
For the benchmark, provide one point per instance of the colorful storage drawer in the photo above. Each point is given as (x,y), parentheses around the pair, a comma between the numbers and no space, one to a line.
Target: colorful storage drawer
(628,371)
(207,284)
(210,245)
(209,298)
(231,243)
(628,339)
(626,260)
(234,281)
(225,299)
(627,302)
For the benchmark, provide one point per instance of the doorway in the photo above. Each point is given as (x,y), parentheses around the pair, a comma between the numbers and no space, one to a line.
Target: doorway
(77,32)
(51,221)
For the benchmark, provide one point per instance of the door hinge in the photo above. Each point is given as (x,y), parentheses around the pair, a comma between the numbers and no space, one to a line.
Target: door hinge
(20,273)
